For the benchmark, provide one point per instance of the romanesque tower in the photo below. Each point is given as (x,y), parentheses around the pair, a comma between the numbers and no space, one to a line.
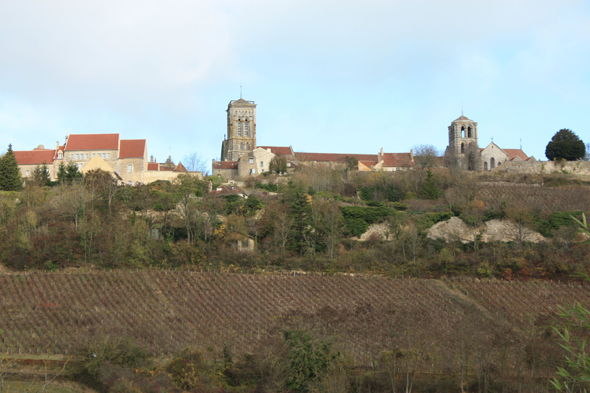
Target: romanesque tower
(462,136)
(241,130)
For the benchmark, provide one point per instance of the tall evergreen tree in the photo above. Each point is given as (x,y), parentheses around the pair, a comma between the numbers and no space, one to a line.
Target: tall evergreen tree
(10,178)
(429,189)
(61,173)
(300,209)
(41,175)
(68,173)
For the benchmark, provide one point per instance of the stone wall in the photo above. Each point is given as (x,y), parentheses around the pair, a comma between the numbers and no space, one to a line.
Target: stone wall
(545,167)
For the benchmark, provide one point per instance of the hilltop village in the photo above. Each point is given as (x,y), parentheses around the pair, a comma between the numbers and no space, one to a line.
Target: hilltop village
(242,157)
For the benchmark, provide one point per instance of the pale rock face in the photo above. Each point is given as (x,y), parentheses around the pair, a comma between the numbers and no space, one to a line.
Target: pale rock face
(455,229)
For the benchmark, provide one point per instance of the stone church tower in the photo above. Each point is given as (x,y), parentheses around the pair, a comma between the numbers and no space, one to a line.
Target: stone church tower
(241,130)
(463,141)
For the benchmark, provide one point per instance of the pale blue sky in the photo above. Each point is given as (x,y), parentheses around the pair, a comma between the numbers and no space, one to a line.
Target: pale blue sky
(327,76)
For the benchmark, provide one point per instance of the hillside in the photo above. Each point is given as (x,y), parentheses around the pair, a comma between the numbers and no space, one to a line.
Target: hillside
(166,311)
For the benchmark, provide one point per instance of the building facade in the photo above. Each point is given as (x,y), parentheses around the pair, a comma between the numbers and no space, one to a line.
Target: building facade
(126,158)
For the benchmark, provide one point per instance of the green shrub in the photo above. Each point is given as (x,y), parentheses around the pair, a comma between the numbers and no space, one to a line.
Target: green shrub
(546,226)
(493,214)
(358,218)
(400,206)
(425,221)
(267,187)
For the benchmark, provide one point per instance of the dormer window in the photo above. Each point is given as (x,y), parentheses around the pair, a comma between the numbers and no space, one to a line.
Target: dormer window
(60,155)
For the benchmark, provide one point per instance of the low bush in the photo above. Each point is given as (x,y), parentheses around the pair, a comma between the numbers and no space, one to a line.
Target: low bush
(358,218)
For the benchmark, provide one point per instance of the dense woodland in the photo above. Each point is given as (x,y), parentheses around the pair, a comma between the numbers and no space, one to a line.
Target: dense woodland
(161,294)
(307,221)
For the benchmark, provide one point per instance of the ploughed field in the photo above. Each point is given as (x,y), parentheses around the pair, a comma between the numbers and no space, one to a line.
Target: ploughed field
(166,311)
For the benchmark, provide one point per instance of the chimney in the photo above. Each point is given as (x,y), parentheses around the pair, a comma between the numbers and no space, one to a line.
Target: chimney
(209,186)
(57,145)
(412,155)
(381,151)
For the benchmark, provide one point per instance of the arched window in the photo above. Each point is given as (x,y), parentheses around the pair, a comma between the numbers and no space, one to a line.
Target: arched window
(60,155)
(485,166)
(462,148)
(241,145)
(462,132)
(469,132)
(246,128)
(247,145)
(492,163)
(239,128)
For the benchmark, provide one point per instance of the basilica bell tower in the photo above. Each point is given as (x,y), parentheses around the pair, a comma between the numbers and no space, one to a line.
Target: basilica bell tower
(241,130)
(462,137)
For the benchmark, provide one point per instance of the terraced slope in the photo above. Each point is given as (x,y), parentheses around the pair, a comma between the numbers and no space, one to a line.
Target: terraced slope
(168,311)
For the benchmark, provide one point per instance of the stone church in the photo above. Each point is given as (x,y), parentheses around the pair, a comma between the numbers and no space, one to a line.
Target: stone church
(241,157)
(464,151)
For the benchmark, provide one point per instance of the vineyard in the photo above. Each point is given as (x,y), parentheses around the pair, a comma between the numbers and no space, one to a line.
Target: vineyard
(528,196)
(167,311)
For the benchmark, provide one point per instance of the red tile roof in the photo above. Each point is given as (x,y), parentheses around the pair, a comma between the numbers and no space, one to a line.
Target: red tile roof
(515,152)
(152,166)
(397,160)
(132,148)
(278,150)
(34,157)
(333,157)
(180,168)
(461,119)
(225,165)
(93,142)
(368,163)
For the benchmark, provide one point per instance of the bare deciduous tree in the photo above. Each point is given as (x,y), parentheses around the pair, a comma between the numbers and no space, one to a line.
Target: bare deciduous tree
(196,162)
(425,156)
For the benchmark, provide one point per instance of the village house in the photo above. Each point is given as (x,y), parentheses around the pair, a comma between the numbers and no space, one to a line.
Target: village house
(125,158)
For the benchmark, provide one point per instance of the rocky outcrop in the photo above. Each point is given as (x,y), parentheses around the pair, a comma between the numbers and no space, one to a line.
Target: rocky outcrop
(455,229)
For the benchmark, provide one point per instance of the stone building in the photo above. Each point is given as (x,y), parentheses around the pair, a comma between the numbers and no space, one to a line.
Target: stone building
(30,159)
(126,158)
(464,151)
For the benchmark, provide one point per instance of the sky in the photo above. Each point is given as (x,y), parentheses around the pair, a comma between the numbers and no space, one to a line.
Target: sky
(334,76)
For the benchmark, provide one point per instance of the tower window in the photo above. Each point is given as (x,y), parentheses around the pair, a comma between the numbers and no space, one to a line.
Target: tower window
(241,145)
(248,145)
(240,125)
(462,148)
(469,132)
(462,133)
(247,128)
